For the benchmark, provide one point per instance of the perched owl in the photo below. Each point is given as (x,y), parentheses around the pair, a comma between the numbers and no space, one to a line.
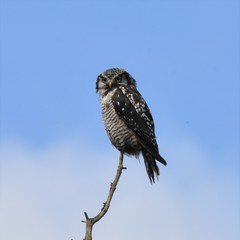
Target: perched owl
(127,118)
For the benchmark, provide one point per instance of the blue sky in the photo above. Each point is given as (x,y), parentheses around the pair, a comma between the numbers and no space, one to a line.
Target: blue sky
(56,160)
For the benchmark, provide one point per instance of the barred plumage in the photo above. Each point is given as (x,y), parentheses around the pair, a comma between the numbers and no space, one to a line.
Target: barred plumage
(127,118)
(119,134)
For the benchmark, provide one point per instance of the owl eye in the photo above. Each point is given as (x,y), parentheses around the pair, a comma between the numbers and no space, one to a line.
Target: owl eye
(102,79)
(118,79)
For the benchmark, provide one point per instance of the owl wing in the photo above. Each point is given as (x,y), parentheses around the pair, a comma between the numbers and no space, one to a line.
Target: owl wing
(132,108)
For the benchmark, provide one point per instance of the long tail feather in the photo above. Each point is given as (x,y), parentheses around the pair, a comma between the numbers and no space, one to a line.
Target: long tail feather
(151,166)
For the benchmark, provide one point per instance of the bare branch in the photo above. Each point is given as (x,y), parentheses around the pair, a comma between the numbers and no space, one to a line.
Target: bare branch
(91,221)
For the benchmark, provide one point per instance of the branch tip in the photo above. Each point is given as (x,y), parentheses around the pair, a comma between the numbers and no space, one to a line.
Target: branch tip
(86,216)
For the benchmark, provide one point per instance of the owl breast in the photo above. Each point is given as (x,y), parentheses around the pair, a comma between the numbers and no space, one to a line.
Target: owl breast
(119,134)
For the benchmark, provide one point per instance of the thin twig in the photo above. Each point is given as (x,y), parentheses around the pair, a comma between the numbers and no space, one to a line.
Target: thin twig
(91,221)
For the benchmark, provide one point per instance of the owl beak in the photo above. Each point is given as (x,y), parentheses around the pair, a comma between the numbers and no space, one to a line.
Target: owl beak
(110,84)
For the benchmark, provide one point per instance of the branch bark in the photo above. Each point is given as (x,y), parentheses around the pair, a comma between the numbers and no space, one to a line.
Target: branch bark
(91,221)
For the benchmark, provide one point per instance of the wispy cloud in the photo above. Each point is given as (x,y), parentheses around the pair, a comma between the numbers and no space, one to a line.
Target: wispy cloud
(44,194)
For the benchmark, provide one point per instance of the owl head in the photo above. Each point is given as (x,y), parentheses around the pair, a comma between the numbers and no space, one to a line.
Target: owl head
(112,78)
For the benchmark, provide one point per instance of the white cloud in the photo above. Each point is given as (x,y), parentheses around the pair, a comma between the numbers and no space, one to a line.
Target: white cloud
(44,194)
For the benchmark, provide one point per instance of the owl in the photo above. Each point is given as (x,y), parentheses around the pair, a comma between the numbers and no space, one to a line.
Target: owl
(127,118)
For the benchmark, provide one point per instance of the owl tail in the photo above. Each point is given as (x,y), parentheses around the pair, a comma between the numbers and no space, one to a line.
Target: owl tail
(151,166)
